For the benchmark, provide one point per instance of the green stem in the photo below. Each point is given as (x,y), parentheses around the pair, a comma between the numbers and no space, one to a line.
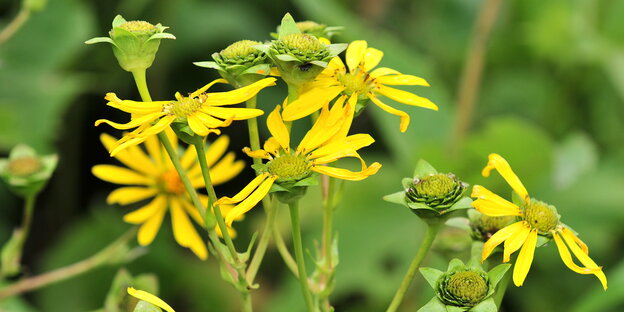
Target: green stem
(42,280)
(29,206)
(19,20)
(252,126)
(283,251)
(212,198)
(256,260)
(502,287)
(328,189)
(303,276)
(141,83)
(432,231)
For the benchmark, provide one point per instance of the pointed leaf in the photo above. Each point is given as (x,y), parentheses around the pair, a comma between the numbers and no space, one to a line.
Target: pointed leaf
(464,203)
(319,63)
(287,58)
(288,26)
(99,39)
(497,273)
(397,198)
(431,275)
(423,168)
(450,308)
(207,64)
(407,182)
(118,20)
(337,48)
(455,264)
(162,36)
(487,305)
(434,305)
(260,69)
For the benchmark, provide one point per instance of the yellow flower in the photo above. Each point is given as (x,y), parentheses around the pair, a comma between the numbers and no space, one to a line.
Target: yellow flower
(535,218)
(360,80)
(152,175)
(324,143)
(147,297)
(203,112)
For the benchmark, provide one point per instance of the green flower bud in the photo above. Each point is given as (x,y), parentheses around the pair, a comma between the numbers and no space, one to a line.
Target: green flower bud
(431,194)
(135,43)
(25,172)
(463,286)
(482,227)
(241,64)
(298,56)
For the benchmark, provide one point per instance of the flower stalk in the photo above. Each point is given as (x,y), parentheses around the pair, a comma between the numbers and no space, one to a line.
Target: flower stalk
(298,246)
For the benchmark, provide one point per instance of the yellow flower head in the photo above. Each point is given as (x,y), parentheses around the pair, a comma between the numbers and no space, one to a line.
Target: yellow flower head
(147,297)
(326,142)
(203,112)
(359,80)
(535,218)
(152,175)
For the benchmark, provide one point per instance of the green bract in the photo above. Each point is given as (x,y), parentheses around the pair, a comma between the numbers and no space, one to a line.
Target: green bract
(135,43)
(241,64)
(463,287)
(25,172)
(294,176)
(314,29)
(299,57)
(431,194)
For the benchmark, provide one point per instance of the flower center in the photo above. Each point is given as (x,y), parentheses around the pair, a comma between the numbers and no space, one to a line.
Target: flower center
(354,83)
(467,287)
(171,183)
(184,107)
(289,167)
(137,26)
(541,216)
(303,43)
(240,52)
(490,225)
(24,166)
(436,185)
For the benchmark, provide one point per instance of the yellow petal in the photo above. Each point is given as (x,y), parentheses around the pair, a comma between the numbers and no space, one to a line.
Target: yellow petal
(146,119)
(355,54)
(372,57)
(499,163)
(345,174)
(383,71)
(515,241)
(189,158)
(578,241)
(278,128)
(134,107)
(192,210)
(500,236)
(406,97)
(133,157)
(197,126)
(405,119)
(206,87)
(250,201)
(569,238)
(126,144)
(404,80)
(246,191)
(211,122)
(491,204)
(567,257)
(145,296)
(310,102)
(233,113)
(525,258)
(149,229)
(120,175)
(262,154)
(156,206)
(239,95)
(272,146)
(184,232)
(226,169)
(128,195)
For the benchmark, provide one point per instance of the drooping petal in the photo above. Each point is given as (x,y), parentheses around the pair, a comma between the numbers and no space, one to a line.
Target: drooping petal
(184,232)
(310,102)
(141,215)
(133,157)
(501,236)
(406,97)
(251,201)
(355,54)
(278,128)
(148,230)
(234,113)
(405,119)
(197,126)
(372,57)
(262,154)
(130,194)
(499,163)
(525,258)
(403,80)
(569,238)
(272,146)
(566,257)
(120,175)
(146,119)
(323,130)
(346,174)
(238,95)
(207,86)
(134,107)
(211,122)
(493,205)
(145,296)
(245,192)
(515,241)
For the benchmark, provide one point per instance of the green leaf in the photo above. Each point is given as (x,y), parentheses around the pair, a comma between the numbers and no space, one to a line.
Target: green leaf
(99,39)
(487,305)
(431,275)
(162,36)
(495,274)
(309,181)
(288,26)
(118,20)
(434,305)
(450,308)
(337,48)
(319,63)
(260,69)
(455,264)
(423,168)
(208,64)
(464,203)
(287,58)
(397,198)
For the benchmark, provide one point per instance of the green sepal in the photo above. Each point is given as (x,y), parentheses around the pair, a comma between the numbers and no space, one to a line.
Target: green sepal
(288,58)
(260,168)
(309,181)
(396,198)
(464,203)
(407,182)
(423,168)
(265,68)
(99,40)
(118,20)
(319,63)
(337,48)
(431,275)
(451,308)
(487,305)
(144,306)
(207,64)
(497,273)
(434,305)
(542,240)
(455,264)
(287,26)
(263,48)
(162,36)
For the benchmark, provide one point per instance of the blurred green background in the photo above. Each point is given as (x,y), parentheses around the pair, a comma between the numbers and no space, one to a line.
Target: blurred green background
(551,102)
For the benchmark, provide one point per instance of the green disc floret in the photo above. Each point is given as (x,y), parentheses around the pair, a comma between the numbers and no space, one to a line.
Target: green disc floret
(240,52)
(463,288)
(541,216)
(436,190)
(24,166)
(435,185)
(138,26)
(289,167)
(303,43)
(184,107)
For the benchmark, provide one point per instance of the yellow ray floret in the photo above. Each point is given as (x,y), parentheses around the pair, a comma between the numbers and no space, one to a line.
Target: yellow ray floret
(147,297)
